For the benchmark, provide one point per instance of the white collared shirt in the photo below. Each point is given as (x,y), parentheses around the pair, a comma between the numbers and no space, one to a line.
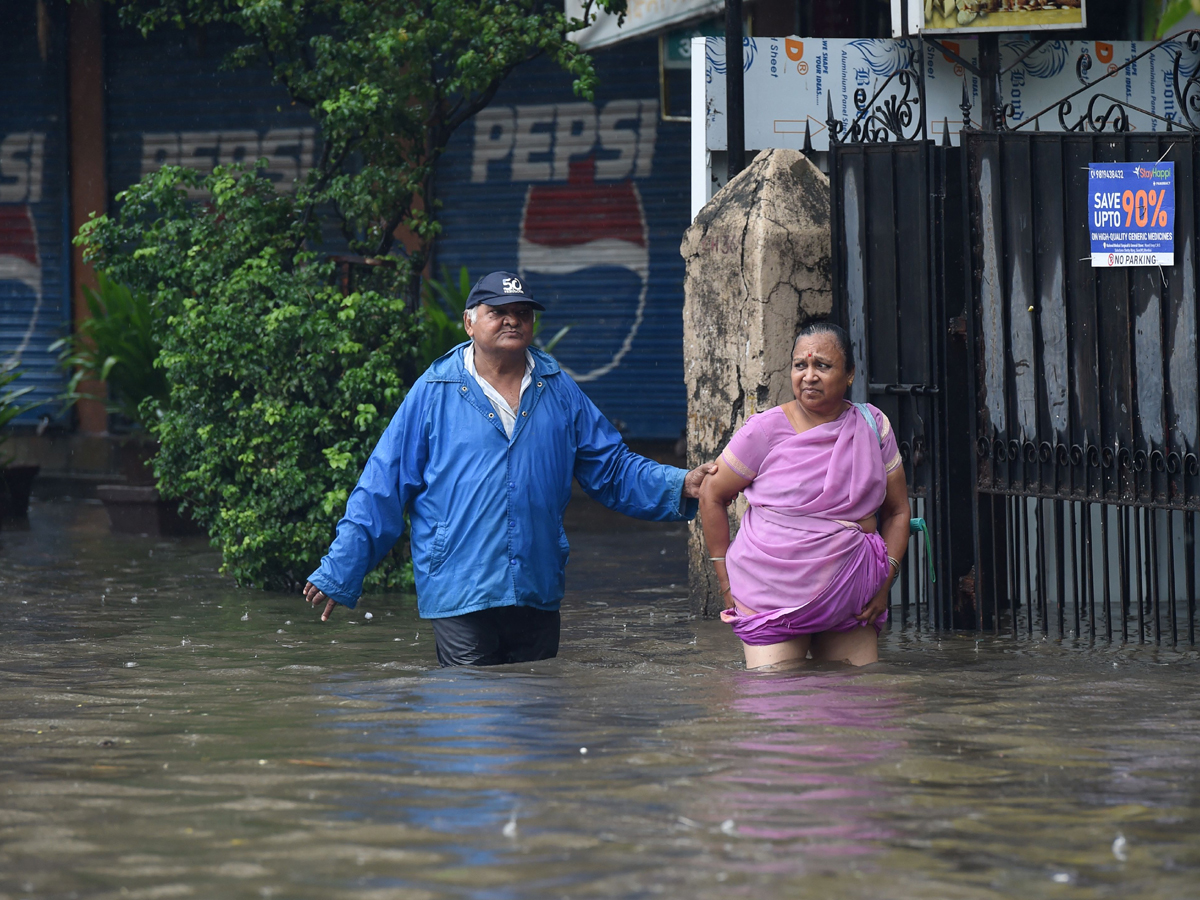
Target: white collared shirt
(508,415)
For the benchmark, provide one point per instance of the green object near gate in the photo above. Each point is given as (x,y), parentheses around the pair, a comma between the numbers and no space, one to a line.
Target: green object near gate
(918,526)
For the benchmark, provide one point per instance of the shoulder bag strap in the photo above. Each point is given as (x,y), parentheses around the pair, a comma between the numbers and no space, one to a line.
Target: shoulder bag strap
(862,408)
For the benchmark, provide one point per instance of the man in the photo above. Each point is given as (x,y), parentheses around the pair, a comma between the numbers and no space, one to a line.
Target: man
(481,455)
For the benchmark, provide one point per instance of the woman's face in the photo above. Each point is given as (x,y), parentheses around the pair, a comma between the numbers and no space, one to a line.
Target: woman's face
(819,376)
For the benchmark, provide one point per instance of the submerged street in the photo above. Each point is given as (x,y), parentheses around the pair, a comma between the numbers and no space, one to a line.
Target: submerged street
(166,734)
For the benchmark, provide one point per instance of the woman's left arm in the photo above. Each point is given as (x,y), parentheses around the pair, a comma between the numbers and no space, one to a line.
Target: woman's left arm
(894,519)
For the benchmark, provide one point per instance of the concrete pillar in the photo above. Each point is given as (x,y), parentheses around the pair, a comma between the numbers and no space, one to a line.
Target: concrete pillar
(758,268)
(88,182)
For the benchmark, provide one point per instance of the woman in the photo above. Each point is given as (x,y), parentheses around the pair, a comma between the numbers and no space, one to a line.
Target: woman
(810,569)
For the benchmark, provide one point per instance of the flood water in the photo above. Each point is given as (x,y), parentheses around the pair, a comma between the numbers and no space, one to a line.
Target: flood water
(165,734)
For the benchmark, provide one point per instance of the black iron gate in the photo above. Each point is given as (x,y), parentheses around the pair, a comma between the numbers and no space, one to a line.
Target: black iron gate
(897,226)
(1048,411)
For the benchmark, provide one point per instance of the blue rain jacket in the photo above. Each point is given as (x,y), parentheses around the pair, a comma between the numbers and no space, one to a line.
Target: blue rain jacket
(486,511)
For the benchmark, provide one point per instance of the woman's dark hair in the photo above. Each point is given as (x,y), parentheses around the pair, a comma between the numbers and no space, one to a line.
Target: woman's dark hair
(839,335)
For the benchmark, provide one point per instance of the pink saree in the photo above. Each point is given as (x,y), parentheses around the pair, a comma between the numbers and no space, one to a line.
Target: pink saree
(800,563)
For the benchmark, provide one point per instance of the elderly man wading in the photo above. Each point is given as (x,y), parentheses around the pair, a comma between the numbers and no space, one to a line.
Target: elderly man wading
(481,454)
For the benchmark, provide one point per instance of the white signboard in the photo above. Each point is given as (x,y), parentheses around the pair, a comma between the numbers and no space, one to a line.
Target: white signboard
(789,82)
(643,17)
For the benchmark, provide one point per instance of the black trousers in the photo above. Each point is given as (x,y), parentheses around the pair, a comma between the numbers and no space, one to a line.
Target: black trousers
(493,637)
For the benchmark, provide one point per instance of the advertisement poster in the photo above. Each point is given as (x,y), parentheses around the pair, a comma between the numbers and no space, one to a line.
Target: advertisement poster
(1002,15)
(789,82)
(1132,214)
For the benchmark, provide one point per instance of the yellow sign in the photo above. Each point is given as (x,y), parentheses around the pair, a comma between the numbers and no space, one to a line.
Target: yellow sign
(1002,15)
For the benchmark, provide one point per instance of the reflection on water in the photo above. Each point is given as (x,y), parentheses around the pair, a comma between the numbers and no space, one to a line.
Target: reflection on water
(167,735)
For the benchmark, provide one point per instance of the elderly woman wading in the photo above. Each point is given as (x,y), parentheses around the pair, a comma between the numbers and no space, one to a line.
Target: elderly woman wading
(811,566)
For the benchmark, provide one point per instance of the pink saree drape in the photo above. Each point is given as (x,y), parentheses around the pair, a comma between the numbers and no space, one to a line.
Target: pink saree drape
(800,563)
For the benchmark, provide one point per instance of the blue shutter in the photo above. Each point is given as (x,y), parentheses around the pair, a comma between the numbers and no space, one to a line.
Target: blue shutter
(169,100)
(34,254)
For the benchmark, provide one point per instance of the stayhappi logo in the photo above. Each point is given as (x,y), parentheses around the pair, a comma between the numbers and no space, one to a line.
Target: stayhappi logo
(21,163)
(583,247)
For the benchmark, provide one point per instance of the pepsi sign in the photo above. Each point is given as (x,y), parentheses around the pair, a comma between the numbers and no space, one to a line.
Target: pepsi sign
(594,219)
(586,202)
(22,156)
(289,152)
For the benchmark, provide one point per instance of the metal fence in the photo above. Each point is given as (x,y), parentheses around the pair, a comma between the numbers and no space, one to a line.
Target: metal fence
(1092,571)
(895,287)
(1086,402)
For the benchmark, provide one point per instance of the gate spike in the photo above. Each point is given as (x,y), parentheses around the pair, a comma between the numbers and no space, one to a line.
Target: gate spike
(946,131)
(1170,122)
(808,147)
(829,120)
(1037,124)
(965,105)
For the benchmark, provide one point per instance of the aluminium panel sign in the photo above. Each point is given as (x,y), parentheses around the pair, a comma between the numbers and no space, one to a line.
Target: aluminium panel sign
(790,81)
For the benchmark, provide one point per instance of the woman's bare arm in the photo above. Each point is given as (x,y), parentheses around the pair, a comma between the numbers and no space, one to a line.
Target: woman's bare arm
(717,492)
(894,517)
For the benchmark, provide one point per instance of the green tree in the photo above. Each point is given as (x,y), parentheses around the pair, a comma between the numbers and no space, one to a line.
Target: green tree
(1160,17)
(388,82)
(283,367)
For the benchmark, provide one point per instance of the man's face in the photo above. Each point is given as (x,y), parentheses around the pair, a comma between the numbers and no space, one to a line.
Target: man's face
(501,329)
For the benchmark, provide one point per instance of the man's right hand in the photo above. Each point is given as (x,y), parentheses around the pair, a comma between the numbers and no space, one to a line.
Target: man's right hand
(314,596)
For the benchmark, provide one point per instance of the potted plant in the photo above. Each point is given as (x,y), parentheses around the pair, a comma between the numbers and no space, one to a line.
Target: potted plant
(16,482)
(117,346)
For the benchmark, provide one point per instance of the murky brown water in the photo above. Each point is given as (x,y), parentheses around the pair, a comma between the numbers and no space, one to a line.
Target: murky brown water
(164,734)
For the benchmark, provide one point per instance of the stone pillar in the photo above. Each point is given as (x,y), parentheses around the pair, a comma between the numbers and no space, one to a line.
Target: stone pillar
(758,268)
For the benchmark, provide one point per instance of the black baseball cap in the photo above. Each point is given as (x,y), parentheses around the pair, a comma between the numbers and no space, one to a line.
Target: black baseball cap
(500,288)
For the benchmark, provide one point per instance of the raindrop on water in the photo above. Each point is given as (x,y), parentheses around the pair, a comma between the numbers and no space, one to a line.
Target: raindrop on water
(510,827)
(1118,847)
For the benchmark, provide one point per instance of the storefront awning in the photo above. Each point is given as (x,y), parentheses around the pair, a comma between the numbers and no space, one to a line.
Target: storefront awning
(645,17)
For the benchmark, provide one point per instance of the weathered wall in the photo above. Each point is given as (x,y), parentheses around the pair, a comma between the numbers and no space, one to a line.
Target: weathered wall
(758,267)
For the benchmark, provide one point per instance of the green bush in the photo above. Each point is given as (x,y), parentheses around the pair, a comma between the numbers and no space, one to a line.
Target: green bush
(10,408)
(442,305)
(116,345)
(280,385)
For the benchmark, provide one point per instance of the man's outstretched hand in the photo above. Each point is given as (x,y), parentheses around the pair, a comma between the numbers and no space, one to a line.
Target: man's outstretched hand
(313,595)
(695,478)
